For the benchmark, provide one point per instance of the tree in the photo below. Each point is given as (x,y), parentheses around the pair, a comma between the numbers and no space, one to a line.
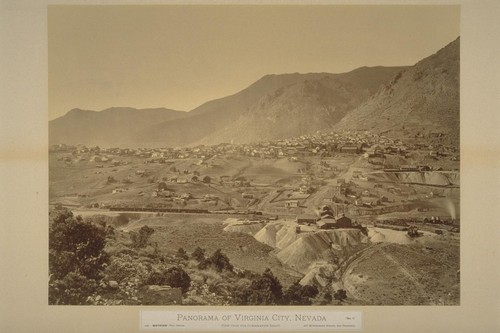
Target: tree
(162,186)
(327,297)
(76,246)
(76,257)
(198,254)
(309,291)
(297,294)
(293,295)
(220,261)
(175,277)
(141,238)
(207,179)
(178,278)
(266,290)
(340,295)
(182,254)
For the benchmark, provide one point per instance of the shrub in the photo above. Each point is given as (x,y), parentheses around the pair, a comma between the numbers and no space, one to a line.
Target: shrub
(175,277)
(73,288)
(123,268)
(340,295)
(141,238)
(162,186)
(220,261)
(297,294)
(198,254)
(265,290)
(76,246)
(182,254)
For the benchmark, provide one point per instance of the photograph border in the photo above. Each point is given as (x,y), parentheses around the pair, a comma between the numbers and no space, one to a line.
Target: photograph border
(24,178)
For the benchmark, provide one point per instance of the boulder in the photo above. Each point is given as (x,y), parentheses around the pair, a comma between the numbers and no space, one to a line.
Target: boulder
(113,284)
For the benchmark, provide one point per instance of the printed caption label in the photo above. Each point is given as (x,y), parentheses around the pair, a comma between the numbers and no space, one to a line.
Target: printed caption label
(251,320)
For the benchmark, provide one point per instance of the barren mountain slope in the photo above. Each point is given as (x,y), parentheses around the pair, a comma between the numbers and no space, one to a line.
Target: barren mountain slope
(424,98)
(304,104)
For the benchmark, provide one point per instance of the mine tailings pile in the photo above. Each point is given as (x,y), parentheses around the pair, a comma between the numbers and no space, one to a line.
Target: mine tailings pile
(316,254)
(432,178)
(330,246)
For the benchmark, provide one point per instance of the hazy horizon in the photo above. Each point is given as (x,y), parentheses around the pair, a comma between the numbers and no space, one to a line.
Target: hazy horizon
(180,56)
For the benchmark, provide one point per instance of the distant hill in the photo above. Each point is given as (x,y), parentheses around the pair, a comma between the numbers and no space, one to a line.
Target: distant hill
(424,98)
(117,126)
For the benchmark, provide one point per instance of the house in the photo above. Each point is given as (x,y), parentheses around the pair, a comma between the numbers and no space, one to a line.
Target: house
(304,189)
(326,223)
(179,200)
(247,195)
(185,196)
(210,197)
(409,168)
(224,179)
(350,149)
(334,193)
(291,203)
(343,222)
(333,223)
(306,218)
(142,173)
(325,212)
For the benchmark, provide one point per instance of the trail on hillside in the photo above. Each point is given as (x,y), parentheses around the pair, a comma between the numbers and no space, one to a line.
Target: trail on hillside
(410,275)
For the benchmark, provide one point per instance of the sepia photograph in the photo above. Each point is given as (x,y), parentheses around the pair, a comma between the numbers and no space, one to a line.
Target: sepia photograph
(213,165)
(254,155)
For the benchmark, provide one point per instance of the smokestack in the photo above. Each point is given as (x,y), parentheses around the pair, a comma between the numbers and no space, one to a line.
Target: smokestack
(450,207)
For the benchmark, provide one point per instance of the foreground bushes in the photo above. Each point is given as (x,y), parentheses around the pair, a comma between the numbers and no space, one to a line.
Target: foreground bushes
(76,258)
(82,272)
(174,277)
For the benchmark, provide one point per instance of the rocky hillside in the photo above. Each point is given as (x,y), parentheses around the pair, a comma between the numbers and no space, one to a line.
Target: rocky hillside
(424,98)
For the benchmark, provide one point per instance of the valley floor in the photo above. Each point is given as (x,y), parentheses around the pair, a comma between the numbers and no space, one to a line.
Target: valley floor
(248,208)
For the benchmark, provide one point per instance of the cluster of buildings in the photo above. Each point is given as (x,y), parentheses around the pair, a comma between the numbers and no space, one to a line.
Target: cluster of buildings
(327,219)
(318,144)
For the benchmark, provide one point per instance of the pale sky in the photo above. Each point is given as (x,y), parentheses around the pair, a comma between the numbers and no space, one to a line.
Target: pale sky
(179,57)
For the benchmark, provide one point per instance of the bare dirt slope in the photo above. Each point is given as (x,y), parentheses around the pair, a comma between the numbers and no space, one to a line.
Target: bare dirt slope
(424,98)
(419,273)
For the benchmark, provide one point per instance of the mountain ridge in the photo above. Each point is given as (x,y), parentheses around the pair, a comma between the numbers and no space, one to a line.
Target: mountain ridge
(423,98)
(403,99)
(202,123)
